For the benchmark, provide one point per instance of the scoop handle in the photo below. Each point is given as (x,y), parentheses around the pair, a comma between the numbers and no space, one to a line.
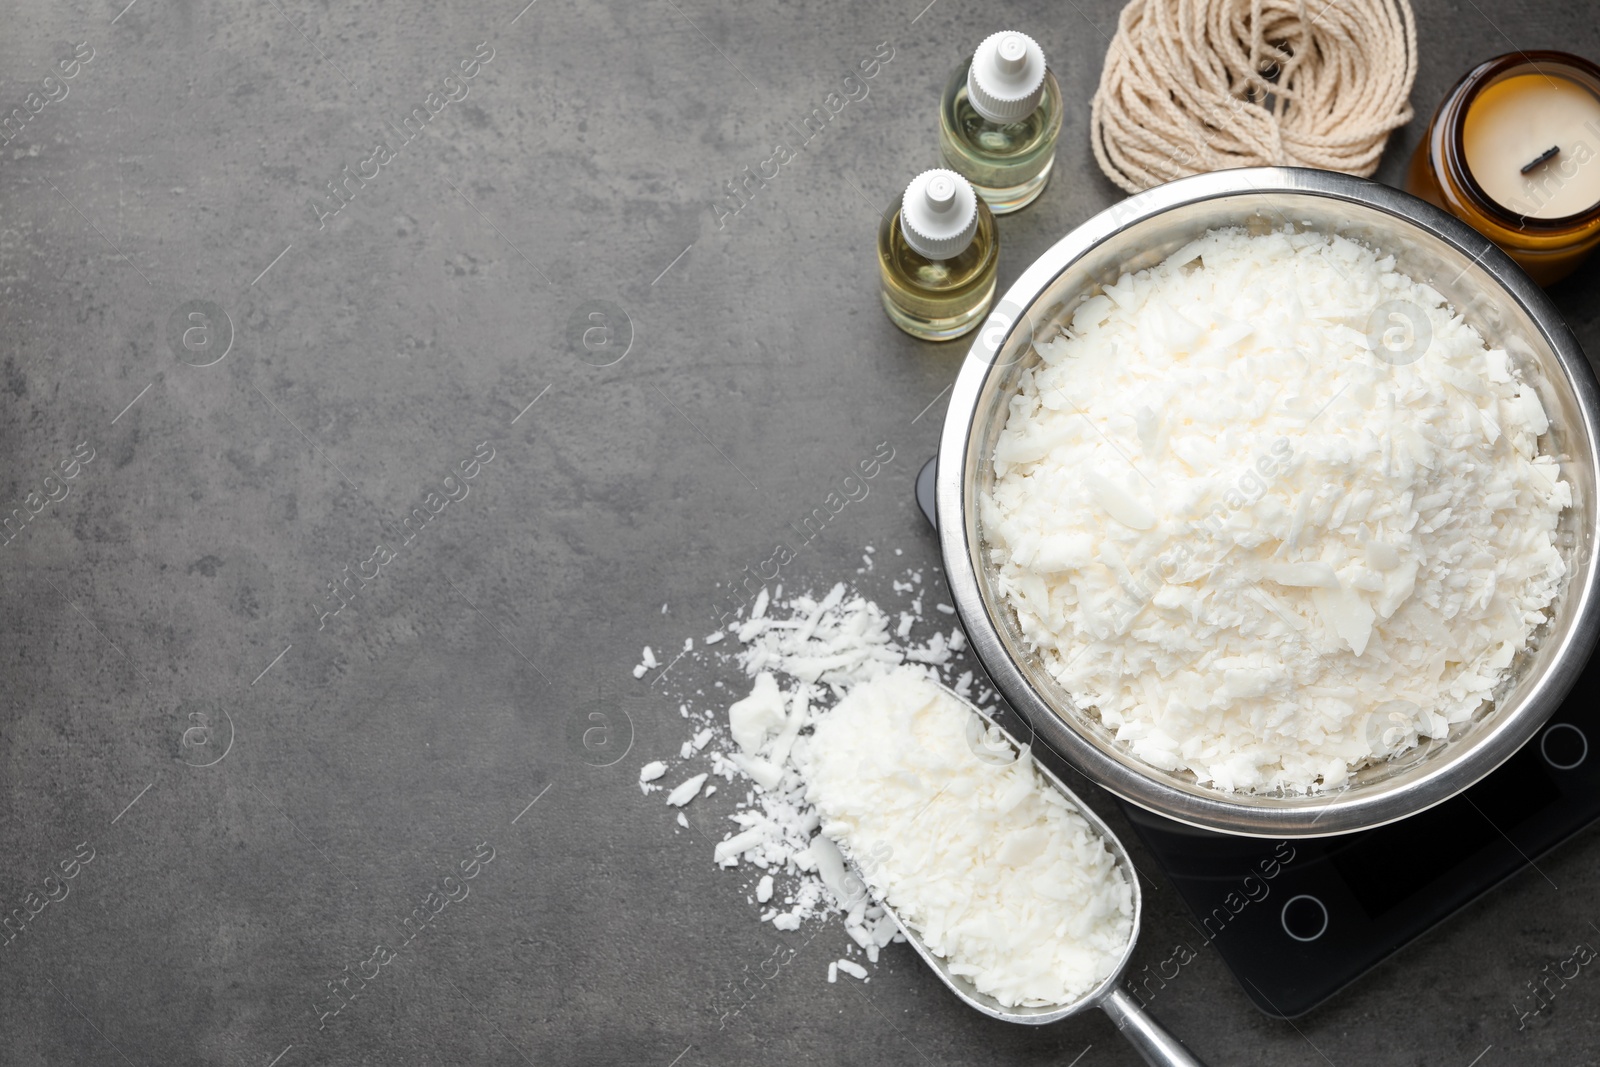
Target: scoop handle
(1159,1048)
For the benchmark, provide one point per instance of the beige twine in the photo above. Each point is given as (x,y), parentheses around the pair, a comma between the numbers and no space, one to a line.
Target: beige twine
(1186,86)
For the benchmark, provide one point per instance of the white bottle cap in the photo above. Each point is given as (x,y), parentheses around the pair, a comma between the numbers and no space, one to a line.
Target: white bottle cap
(939,214)
(1006,80)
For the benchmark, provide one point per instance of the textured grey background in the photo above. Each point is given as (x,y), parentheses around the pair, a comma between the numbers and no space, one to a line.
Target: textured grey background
(140,612)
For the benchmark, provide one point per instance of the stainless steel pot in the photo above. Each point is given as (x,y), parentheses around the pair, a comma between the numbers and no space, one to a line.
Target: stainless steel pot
(1484,286)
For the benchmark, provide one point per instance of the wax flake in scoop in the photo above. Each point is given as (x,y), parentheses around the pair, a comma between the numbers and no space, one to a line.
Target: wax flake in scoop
(995,868)
(827,678)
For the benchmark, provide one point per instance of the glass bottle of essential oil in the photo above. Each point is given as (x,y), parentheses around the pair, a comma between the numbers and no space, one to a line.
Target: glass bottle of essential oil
(999,119)
(937,257)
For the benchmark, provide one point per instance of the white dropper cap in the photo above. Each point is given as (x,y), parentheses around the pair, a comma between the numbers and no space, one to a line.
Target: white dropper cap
(939,214)
(1006,80)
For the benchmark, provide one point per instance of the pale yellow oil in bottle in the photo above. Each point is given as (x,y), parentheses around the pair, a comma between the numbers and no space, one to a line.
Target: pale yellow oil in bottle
(1007,164)
(934,299)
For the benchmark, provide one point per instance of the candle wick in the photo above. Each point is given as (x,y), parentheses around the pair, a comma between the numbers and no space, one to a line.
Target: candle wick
(1544,157)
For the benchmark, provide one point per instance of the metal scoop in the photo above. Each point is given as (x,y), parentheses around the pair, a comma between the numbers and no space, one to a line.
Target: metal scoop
(1159,1048)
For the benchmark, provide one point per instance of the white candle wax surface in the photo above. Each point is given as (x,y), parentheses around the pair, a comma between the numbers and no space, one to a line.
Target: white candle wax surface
(1515,121)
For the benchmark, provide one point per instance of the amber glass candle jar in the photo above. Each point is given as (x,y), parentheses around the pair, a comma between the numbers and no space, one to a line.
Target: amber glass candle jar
(1514,151)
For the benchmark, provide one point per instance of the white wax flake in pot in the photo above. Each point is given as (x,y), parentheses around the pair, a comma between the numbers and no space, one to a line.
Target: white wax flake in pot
(1271,511)
(995,868)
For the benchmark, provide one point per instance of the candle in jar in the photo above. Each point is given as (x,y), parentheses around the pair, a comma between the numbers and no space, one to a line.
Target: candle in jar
(1531,142)
(1514,151)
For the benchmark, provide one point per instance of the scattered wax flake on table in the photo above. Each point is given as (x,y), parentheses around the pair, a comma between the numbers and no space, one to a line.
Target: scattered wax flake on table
(687,791)
(649,773)
(647,663)
(799,655)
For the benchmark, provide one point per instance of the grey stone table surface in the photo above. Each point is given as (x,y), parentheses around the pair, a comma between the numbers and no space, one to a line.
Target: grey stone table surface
(253,380)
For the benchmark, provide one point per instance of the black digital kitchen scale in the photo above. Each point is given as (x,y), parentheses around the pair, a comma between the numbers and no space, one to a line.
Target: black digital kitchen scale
(1335,907)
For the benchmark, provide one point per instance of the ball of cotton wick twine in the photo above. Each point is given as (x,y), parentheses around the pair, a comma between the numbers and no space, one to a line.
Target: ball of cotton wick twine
(1202,85)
